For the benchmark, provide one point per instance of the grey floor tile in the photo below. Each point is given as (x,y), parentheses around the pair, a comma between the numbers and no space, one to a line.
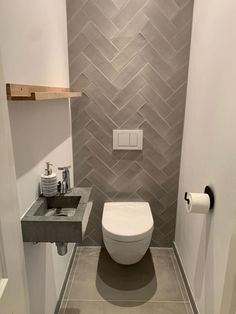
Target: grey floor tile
(155,251)
(179,277)
(71,275)
(90,307)
(97,277)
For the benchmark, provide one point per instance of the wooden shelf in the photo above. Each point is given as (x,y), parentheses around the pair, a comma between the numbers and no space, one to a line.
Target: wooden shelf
(33,92)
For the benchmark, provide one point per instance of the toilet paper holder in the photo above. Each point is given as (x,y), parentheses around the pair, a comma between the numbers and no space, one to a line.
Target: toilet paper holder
(208,191)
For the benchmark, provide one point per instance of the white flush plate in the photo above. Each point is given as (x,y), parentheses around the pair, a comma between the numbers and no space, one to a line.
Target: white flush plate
(127,139)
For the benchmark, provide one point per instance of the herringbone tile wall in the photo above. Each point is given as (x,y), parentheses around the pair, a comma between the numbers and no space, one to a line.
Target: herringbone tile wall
(130,57)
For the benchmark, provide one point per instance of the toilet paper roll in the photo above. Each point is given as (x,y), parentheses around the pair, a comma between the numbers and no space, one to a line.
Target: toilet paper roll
(198,203)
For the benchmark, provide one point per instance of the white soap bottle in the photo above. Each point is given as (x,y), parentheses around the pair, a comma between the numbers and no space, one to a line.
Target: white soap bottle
(49,181)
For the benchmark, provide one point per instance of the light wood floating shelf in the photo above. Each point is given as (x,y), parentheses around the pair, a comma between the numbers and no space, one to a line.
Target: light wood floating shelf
(34,92)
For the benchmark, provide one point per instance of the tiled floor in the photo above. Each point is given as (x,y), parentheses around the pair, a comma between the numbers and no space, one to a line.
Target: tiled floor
(99,285)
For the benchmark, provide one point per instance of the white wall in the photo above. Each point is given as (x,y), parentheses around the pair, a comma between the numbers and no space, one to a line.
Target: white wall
(12,261)
(34,47)
(209,155)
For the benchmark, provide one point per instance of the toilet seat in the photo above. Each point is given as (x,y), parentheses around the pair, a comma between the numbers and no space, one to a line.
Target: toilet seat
(127,221)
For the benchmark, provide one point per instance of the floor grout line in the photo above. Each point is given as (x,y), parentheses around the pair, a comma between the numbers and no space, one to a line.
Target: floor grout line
(134,301)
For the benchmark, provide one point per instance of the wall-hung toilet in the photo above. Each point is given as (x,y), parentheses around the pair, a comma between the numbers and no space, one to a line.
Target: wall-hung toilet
(127,230)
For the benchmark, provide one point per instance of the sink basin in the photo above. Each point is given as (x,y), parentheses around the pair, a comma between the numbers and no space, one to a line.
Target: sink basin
(61,218)
(59,206)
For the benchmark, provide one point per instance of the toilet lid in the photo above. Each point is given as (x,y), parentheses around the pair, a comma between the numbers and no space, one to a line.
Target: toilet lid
(127,221)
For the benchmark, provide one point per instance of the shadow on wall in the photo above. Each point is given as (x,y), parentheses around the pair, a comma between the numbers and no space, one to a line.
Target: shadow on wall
(115,282)
(37,130)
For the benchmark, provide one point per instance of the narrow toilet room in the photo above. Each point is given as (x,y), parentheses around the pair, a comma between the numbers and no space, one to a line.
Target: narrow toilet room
(117,157)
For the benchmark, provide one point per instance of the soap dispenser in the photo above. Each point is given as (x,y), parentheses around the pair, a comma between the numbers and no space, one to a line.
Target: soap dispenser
(48,181)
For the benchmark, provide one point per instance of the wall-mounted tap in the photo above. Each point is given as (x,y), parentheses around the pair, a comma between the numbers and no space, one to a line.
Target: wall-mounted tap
(65,184)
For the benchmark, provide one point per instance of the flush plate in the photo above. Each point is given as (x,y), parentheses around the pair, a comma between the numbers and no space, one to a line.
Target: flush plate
(127,139)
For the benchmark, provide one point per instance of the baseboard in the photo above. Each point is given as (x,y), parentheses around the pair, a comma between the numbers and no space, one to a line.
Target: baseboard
(57,308)
(189,291)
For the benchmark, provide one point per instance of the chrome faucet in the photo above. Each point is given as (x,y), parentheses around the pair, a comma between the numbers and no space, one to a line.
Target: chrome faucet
(65,184)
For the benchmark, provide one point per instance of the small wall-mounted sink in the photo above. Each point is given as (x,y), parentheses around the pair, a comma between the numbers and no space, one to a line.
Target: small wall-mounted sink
(61,205)
(61,218)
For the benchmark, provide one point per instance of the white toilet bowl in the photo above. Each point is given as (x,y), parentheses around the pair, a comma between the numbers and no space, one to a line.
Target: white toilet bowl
(127,230)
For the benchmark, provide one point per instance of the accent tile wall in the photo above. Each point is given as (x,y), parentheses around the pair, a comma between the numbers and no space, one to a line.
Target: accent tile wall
(130,58)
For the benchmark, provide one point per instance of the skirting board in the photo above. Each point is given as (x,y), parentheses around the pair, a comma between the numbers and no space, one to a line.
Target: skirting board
(192,301)
(65,280)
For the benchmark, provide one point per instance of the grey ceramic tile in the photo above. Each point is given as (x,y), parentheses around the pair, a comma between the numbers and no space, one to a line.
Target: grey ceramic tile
(99,150)
(129,71)
(184,15)
(78,21)
(181,58)
(122,38)
(95,76)
(159,20)
(171,167)
(158,41)
(151,184)
(157,102)
(175,133)
(156,82)
(77,46)
(170,183)
(133,122)
(100,99)
(181,3)
(152,169)
(120,3)
(169,8)
(102,119)
(176,115)
(129,51)
(123,115)
(154,136)
(100,278)
(87,307)
(123,97)
(80,83)
(79,64)
(70,278)
(179,41)
(178,96)
(124,162)
(127,12)
(158,63)
(100,41)
(99,165)
(99,134)
(180,278)
(94,12)
(73,6)
(100,61)
(179,77)
(130,59)
(110,8)
(153,117)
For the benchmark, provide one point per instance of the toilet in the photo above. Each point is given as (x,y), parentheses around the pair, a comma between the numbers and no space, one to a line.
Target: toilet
(127,230)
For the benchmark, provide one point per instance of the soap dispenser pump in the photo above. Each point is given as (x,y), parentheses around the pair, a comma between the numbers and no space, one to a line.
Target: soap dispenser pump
(48,181)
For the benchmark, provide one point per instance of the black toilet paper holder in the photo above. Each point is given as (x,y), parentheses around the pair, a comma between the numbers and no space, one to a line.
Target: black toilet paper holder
(208,190)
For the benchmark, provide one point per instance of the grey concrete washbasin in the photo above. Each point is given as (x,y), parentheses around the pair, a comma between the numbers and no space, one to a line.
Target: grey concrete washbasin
(61,218)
